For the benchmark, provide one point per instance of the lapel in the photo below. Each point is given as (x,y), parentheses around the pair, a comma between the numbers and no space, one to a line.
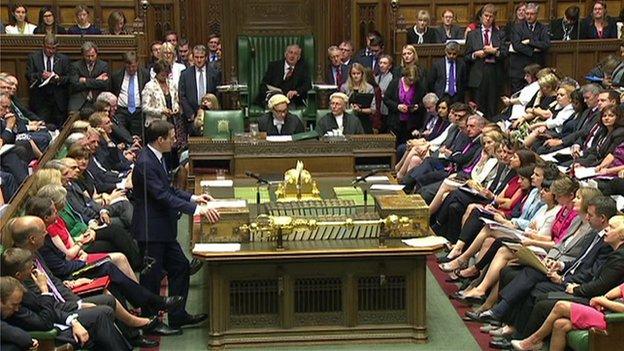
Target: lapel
(39,61)
(152,155)
(480,37)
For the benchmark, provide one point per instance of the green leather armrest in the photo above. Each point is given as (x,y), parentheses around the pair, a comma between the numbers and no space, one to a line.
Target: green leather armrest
(578,340)
(614,318)
(44,335)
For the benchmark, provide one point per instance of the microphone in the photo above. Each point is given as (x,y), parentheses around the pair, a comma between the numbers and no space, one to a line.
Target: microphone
(256,176)
(363,178)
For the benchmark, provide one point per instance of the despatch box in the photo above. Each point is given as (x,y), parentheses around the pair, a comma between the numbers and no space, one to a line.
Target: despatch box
(411,206)
(225,230)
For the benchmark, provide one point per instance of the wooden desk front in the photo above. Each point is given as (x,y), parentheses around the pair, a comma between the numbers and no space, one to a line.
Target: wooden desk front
(316,292)
(321,158)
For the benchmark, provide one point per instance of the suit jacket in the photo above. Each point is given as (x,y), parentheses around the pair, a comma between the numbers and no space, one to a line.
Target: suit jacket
(525,54)
(590,264)
(430,37)
(187,90)
(57,89)
(463,156)
(80,91)
(437,77)
(38,314)
(292,125)
(474,42)
(154,195)
(14,338)
(391,99)
(603,145)
(557,32)
(350,124)
(588,30)
(274,75)
(605,277)
(457,32)
(81,203)
(56,261)
(586,122)
(329,75)
(117,80)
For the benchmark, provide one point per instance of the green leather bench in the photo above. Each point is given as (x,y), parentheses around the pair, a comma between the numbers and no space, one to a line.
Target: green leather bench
(254,55)
(223,124)
(600,340)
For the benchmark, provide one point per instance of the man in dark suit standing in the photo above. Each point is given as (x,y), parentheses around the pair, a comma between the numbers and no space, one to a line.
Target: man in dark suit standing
(88,78)
(50,101)
(530,41)
(195,82)
(291,75)
(157,235)
(369,57)
(484,49)
(279,121)
(448,30)
(448,75)
(337,72)
(127,84)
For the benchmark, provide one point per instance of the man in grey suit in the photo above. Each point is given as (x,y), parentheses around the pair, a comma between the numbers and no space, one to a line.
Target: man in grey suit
(448,30)
(448,75)
(88,78)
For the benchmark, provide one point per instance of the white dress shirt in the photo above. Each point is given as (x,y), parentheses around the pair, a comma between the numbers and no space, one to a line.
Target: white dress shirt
(123,92)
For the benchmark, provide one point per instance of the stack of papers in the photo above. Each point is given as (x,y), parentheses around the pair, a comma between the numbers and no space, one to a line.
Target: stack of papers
(426,241)
(216,247)
(225,204)
(377,179)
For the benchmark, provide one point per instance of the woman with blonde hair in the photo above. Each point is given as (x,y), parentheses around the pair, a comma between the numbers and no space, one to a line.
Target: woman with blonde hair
(209,102)
(83,24)
(168,53)
(420,33)
(357,84)
(44,177)
(117,23)
(552,120)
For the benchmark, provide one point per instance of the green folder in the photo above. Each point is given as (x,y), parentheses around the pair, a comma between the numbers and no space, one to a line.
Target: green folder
(305,135)
(249,193)
(350,193)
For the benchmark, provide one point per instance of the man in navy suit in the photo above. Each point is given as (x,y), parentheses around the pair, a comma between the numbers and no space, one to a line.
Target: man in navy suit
(448,75)
(88,78)
(485,50)
(190,89)
(50,101)
(156,234)
(530,40)
(337,72)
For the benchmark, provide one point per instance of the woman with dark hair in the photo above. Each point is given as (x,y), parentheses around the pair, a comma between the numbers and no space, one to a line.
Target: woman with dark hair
(599,25)
(47,22)
(402,97)
(555,139)
(18,20)
(609,138)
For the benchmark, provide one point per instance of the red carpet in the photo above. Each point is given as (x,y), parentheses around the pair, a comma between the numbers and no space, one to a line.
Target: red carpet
(482,339)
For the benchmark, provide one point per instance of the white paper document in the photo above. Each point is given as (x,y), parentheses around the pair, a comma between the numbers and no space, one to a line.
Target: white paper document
(425,241)
(225,204)
(216,247)
(45,82)
(584,172)
(325,86)
(221,183)
(279,138)
(377,179)
(391,187)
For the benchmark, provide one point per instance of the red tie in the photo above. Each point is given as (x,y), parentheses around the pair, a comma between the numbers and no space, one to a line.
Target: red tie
(338,76)
(486,40)
(289,73)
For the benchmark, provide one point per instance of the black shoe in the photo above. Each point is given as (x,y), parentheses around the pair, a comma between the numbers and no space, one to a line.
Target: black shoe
(483,317)
(189,320)
(502,344)
(173,302)
(471,300)
(141,341)
(162,329)
(196,265)
(153,323)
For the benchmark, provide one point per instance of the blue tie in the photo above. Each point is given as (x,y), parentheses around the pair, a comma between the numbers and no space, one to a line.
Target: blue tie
(131,102)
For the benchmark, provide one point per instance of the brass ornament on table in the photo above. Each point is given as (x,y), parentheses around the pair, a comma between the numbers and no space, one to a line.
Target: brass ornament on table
(297,185)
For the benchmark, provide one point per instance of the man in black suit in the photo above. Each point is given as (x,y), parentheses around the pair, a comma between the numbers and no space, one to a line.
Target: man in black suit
(567,27)
(485,50)
(336,72)
(369,56)
(195,82)
(157,235)
(291,75)
(50,101)
(91,328)
(449,30)
(88,78)
(127,84)
(530,41)
(279,121)
(448,76)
